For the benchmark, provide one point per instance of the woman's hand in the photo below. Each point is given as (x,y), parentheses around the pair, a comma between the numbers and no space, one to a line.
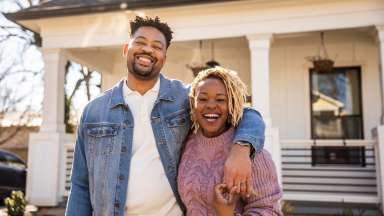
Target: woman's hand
(225,200)
(238,170)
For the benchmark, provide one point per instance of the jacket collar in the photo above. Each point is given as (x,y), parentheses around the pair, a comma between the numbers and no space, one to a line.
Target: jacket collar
(165,92)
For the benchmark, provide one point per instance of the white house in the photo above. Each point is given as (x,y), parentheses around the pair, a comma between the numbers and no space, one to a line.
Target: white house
(325,129)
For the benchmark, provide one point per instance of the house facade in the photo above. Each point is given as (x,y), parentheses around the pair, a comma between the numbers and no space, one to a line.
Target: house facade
(324,129)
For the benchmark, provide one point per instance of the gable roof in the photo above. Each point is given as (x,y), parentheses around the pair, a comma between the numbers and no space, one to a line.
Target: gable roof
(56,8)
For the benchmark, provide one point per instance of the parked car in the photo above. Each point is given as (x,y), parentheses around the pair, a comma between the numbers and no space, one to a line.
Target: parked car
(12,174)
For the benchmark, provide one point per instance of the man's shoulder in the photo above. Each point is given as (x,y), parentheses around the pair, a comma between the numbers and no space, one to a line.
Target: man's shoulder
(98,105)
(102,99)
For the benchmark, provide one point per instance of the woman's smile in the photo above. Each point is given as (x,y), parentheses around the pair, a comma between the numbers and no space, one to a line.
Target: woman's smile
(211,107)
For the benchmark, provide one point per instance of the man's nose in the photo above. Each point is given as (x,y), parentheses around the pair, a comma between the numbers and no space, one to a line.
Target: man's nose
(148,49)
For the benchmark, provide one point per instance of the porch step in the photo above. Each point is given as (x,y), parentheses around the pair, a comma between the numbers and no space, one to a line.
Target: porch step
(303,208)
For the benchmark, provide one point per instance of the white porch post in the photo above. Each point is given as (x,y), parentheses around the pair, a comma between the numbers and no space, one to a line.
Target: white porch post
(259,46)
(378,132)
(46,147)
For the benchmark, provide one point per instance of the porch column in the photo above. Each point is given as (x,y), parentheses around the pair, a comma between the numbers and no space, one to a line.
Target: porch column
(46,147)
(259,45)
(378,133)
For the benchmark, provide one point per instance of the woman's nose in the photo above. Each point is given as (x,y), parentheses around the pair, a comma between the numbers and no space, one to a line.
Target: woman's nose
(211,104)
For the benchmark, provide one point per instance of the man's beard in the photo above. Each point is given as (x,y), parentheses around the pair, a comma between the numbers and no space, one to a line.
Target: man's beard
(142,74)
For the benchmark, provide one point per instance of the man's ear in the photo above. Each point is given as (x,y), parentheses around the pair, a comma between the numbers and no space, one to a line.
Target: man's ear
(125,49)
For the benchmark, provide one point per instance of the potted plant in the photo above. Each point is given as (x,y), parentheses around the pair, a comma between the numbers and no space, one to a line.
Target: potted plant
(321,62)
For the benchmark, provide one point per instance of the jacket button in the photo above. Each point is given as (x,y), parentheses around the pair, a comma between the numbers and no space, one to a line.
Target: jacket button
(123,149)
(117,205)
(121,177)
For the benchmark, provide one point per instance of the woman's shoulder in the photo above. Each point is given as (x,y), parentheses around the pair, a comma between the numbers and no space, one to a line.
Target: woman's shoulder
(263,161)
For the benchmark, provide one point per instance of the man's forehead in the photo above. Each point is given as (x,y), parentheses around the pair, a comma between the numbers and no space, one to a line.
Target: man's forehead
(149,32)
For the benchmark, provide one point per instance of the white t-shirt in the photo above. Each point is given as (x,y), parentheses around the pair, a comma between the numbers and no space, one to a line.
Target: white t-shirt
(149,192)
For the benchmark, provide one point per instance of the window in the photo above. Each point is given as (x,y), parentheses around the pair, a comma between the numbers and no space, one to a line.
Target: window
(336,111)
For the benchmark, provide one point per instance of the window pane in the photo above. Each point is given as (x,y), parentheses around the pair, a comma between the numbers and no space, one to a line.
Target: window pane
(336,111)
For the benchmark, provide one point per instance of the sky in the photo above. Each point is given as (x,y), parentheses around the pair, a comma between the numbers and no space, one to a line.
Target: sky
(28,85)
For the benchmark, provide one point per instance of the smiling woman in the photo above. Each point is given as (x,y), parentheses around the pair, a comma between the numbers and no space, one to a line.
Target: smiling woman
(217,97)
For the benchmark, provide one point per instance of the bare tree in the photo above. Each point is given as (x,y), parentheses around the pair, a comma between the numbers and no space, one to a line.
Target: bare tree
(84,79)
(18,74)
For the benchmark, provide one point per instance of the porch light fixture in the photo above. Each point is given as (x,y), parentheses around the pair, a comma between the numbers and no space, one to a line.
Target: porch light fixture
(321,62)
(197,64)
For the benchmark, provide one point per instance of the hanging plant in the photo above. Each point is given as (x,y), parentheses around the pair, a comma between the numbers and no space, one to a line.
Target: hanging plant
(196,67)
(321,62)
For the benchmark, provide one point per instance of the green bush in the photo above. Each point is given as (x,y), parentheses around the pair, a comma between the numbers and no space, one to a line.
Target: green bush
(15,204)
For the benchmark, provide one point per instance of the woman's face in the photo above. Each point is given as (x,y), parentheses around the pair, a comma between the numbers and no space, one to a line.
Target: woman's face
(211,107)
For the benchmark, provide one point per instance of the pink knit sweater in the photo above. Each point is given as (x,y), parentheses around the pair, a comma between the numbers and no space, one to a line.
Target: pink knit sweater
(201,168)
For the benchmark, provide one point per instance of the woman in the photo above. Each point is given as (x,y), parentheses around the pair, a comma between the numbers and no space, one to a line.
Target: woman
(217,97)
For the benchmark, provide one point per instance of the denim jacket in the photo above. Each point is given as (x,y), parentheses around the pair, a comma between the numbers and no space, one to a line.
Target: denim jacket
(104,146)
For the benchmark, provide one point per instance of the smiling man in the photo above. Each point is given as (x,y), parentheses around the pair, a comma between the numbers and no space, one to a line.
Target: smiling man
(130,138)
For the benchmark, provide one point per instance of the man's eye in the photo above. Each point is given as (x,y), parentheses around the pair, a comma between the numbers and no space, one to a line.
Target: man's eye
(139,42)
(157,48)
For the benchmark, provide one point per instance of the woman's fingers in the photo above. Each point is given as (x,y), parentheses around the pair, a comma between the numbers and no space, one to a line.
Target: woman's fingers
(220,190)
(250,192)
(233,196)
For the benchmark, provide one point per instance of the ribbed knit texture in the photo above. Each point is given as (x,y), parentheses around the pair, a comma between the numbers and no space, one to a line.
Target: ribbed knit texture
(202,167)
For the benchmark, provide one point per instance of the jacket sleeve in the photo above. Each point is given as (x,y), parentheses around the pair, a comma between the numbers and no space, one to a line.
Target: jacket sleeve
(266,186)
(79,203)
(251,129)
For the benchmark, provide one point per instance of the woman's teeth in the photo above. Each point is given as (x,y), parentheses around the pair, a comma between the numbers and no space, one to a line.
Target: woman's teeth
(211,117)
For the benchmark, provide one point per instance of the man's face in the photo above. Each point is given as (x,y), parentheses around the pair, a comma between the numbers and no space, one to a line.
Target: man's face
(146,53)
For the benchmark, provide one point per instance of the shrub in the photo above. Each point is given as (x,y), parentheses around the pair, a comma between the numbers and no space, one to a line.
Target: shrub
(15,204)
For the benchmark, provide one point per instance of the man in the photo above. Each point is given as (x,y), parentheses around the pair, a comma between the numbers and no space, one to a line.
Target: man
(130,138)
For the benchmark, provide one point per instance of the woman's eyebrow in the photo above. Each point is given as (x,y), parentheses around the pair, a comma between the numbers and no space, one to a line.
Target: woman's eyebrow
(224,94)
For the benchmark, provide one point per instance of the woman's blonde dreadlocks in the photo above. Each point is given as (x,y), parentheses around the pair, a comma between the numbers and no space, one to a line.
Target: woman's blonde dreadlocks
(236,91)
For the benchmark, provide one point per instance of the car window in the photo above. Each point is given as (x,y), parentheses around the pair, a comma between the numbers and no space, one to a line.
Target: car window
(2,158)
(12,160)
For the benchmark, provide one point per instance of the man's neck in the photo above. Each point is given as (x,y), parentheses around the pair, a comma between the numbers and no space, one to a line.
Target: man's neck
(141,86)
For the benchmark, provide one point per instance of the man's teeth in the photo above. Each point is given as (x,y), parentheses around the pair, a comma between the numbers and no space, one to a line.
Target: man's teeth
(145,59)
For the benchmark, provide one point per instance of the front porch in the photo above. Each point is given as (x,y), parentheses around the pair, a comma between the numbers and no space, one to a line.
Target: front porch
(289,133)
(267,44)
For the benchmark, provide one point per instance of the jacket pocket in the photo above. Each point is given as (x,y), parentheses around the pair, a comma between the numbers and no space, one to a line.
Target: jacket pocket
(177,130)
(101,137)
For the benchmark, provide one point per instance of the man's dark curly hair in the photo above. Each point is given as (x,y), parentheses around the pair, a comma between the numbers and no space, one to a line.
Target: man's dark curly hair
(152,22)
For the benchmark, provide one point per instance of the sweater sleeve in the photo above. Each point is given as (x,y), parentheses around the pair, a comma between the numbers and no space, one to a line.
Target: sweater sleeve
(266,186)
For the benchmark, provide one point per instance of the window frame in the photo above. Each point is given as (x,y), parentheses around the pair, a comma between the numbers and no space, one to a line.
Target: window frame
(360,92)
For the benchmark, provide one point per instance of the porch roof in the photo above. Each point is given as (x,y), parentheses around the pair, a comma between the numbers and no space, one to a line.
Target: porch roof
(56,8)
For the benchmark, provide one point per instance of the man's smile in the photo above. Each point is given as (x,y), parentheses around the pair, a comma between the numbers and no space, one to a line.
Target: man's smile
(144,60)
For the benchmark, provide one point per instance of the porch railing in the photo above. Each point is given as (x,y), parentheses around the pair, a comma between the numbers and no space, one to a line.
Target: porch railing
(68,155)
(301,180)
(330,183)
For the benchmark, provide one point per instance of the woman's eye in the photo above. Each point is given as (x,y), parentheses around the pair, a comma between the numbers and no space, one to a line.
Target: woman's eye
(202,99)
(221,100)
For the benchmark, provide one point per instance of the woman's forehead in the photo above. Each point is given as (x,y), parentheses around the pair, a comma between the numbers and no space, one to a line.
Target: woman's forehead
(211,84)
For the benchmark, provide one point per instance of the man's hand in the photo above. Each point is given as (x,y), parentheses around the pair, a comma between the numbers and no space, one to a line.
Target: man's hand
(238,170)
(224,200)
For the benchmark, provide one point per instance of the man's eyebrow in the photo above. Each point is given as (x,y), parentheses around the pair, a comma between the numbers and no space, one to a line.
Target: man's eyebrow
(141,37)
(144,38)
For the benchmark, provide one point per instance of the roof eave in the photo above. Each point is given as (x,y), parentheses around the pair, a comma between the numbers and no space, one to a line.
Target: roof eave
(39,14)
